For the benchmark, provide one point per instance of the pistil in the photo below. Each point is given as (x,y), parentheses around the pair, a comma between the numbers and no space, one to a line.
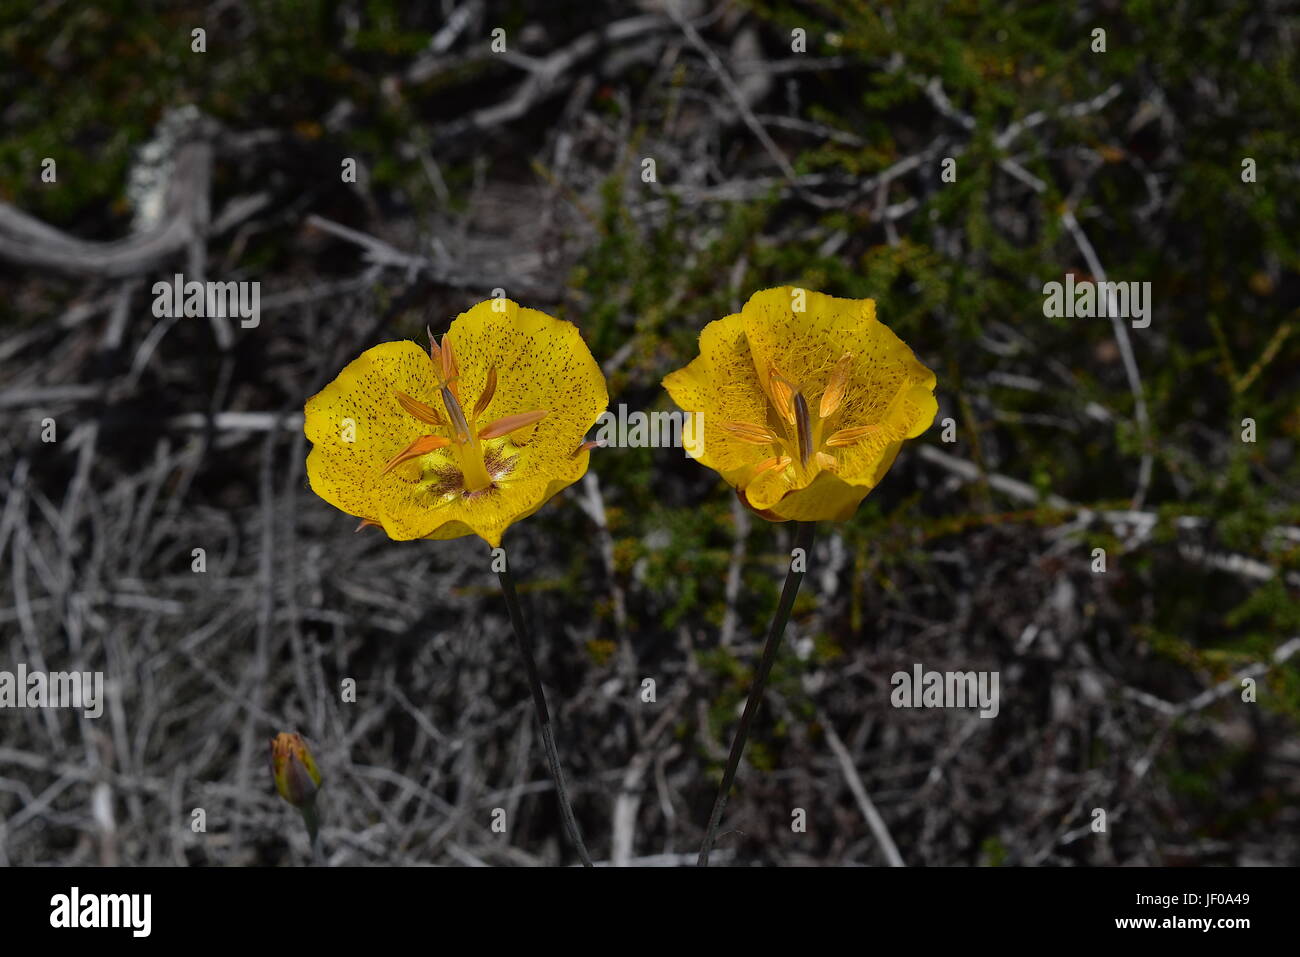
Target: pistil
(803,428)
(469,455)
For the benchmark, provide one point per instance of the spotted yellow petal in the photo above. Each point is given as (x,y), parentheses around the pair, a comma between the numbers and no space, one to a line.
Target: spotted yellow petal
(356,426)
(722,385)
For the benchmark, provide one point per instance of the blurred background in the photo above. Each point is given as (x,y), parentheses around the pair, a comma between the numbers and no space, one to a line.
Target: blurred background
(793,142)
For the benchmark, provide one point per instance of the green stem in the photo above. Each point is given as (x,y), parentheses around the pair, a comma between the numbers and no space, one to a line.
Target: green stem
(525,643)
(802,540)
(311,817)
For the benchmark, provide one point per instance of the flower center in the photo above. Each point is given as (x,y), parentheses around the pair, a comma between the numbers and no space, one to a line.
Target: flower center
(461,433)
(801,451)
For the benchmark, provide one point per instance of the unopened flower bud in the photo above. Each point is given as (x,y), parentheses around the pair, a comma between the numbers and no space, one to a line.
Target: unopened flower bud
(296,777)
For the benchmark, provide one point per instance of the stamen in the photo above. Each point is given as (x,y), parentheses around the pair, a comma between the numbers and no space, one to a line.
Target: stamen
(445,371)
(489,390)
(418,409)
(368,523)
(826,461)
(587,447)
(753,434)
(421,446)
(782,390)
(803,428)
(511,423)
(450,370)
(778,462)
(833,397)
(851,436)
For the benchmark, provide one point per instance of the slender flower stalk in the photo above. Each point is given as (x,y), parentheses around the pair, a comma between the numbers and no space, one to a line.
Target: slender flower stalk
(525,642)
(803,544)
(311,818)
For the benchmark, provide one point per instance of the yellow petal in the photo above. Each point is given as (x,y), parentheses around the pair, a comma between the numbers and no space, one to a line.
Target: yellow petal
(721,385)
(910,414)
(828,498)
(355,428)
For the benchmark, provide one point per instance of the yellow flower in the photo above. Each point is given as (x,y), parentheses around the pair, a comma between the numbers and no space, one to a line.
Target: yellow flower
(296,776)
(463,440)
(804,401)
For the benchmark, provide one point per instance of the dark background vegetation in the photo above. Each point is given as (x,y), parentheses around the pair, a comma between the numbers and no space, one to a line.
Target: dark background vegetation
(1120,690)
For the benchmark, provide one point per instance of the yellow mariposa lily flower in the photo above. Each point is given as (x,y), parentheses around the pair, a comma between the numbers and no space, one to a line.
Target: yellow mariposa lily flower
(804,401)
(465,439)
